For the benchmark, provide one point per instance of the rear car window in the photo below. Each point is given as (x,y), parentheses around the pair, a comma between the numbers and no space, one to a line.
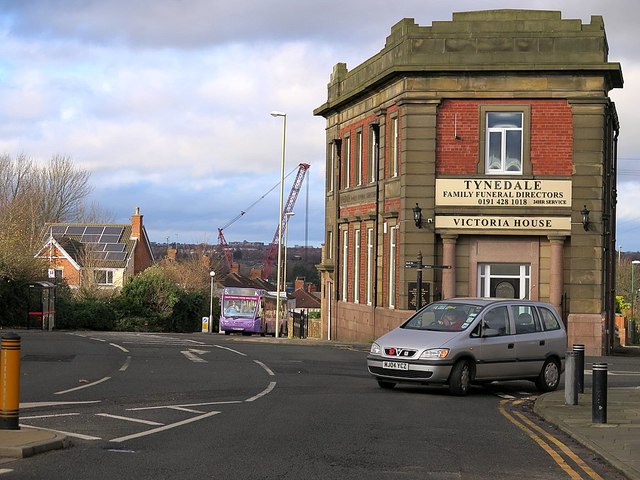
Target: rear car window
(549,320)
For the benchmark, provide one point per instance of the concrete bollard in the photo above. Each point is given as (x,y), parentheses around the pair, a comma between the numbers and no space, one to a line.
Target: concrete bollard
(570,379)
(579,349)
(10,382)
(599,393)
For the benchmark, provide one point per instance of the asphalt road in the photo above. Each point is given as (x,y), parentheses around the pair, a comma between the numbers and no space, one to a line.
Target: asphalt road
(208,406)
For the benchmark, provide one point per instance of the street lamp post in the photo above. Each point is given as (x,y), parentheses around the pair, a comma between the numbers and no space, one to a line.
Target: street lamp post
(288,216)
(633,294)
(212,274)
(279,275)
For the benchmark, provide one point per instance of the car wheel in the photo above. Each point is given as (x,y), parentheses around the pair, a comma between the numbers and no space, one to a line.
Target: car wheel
(549,377)
(460,378)
(386,385)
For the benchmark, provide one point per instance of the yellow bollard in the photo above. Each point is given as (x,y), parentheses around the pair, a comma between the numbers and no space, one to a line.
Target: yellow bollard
(10,382)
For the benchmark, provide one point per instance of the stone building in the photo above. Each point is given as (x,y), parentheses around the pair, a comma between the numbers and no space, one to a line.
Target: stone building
(485,145)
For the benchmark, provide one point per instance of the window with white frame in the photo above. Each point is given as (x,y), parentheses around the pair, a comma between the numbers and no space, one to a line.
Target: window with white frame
(392,266)
(369,266)
(330,167)
(329,252)
(359,158)
(345,264)
(504,142)
(504,280)
(393,152)
(346,155)
(103,277)
(373,149)
(356,266)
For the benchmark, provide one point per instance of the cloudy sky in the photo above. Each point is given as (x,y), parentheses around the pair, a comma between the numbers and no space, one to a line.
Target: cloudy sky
(166,102)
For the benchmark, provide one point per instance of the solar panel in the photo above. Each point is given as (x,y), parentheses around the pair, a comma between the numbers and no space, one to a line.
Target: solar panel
(94,230)
(114,247)
(112,230)
(109,238)
(90,238)
(58,229)
(99,255)
(74,230)
(116,256)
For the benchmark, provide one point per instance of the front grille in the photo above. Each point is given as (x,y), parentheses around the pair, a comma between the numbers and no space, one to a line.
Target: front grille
(399,352)
(400,373)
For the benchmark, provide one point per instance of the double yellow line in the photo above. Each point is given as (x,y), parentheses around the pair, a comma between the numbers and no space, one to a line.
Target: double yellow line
(545,440)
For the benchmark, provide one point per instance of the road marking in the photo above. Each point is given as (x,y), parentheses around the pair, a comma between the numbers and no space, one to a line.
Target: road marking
(158,407)
(49,416)
(129,419)
(97,339)
(182,409)
(263,393)
(125,365)
(195,341)
(5,470)
(547,448)
(118,346)
(615,373)
(69,434)
(83,386)
(192,356)
(585,468)
(268,370)
(231,350)
(54,404)
(164,428)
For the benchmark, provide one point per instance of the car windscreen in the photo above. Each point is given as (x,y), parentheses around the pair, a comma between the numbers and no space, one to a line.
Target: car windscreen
(444,317)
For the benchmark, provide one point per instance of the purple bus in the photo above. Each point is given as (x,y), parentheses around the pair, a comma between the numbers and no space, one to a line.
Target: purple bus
(251,310)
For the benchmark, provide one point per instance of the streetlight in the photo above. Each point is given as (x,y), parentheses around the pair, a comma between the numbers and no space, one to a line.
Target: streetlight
(284,136)
(633,294)
(288,216)
(212,274)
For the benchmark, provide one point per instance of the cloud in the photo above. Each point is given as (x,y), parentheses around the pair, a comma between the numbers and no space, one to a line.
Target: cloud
(167,102)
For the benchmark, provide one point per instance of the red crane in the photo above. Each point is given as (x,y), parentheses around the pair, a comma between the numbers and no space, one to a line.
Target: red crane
(293,195)
(288,207)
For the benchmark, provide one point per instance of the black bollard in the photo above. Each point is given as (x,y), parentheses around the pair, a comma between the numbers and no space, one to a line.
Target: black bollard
(599,393)
(579,349)
(570,384)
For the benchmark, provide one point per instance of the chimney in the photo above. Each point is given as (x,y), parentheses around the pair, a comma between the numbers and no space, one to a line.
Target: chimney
(235,268)
(171,253)
(136,224)
(299,284)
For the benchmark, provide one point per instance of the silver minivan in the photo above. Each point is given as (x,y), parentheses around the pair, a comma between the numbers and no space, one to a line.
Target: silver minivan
(461,341)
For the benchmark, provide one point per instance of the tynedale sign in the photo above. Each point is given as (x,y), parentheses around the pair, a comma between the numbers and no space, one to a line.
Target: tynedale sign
(503,193)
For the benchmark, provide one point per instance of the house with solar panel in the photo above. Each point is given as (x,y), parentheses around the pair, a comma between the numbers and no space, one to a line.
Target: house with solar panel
(105,255)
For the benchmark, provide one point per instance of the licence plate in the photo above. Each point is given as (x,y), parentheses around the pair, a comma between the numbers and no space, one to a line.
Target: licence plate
(395,365)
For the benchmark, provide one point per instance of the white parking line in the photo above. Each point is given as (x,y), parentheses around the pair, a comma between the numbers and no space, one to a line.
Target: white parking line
(118,346)
(54,404)
(125,365)
(69,434)
(129,419)
(267,369)
(263,393)
(231,350)
(83,386)
(49,416)
(165,427)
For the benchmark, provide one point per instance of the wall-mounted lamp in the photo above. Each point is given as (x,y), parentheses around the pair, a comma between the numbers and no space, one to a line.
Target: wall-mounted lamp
(585,218)
(417,216)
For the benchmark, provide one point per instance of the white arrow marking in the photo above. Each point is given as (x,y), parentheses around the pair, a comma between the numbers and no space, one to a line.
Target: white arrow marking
(193,357)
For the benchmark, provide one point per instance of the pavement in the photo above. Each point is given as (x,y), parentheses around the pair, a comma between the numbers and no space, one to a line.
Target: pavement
(617,440)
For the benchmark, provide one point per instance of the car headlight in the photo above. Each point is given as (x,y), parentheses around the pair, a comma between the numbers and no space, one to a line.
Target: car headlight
(435,353)
(375,349)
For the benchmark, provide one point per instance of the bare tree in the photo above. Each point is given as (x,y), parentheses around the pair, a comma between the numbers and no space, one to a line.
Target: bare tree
(31,196)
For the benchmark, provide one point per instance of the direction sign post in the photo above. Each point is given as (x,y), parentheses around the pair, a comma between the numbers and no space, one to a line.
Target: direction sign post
(418,264)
